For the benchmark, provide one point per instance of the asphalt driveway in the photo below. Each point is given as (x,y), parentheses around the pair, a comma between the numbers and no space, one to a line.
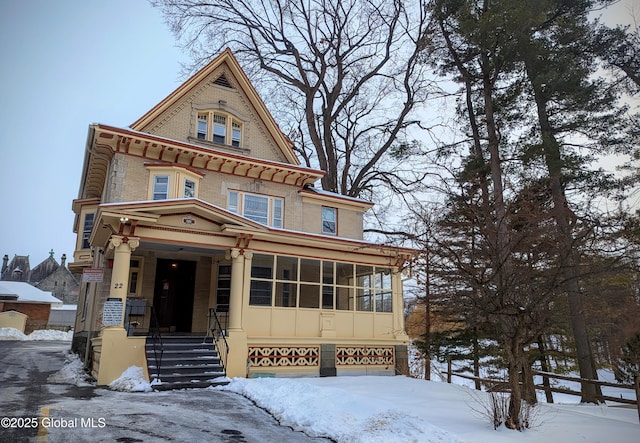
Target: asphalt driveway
(33,409)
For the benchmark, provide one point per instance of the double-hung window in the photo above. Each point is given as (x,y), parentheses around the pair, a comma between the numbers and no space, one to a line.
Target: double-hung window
(160,187)
(219,127)
(86,229)
(263,209)
(172,181)
(329,220)
(189,188)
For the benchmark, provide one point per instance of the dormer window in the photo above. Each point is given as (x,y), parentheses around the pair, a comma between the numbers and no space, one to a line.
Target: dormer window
(216,126)
(172,181)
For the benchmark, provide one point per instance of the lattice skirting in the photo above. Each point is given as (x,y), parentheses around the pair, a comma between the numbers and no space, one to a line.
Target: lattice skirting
(269,356)
(365,355)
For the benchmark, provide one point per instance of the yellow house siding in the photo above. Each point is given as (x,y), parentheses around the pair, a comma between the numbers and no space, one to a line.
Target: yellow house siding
(178,122)
(349,222)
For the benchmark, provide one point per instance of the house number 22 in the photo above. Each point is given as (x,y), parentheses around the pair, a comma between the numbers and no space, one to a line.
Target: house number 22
(118,286)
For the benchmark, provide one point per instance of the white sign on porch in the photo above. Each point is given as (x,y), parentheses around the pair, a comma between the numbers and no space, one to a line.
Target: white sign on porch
(112,312)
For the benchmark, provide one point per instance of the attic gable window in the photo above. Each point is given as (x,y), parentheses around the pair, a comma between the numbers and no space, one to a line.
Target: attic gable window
(219,127)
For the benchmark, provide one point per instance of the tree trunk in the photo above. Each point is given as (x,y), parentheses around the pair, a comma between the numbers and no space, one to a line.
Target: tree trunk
(476,359)
(513,348)
(544,365)
(570,261)
(528,387)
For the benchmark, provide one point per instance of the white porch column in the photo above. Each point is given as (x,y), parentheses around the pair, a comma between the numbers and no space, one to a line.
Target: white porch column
(235,298)
(398,306)
(123,246)
(236,365)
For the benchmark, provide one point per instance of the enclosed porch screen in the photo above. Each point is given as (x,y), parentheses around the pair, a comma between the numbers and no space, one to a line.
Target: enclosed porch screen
(295,282)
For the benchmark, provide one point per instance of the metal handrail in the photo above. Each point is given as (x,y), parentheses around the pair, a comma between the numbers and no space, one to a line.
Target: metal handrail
(142,320)
(156,337)
(219,335)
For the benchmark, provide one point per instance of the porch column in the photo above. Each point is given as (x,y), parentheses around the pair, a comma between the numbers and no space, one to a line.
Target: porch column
(235,298)
(122,246)
(398,306)
(237,337)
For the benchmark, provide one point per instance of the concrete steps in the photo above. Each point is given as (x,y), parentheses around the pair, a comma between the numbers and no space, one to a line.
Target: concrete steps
(188,361)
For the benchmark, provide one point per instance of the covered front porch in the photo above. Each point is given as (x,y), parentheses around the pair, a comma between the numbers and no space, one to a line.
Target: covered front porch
(274,302)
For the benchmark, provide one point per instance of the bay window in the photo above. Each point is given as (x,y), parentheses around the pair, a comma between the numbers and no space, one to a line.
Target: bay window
(172,181)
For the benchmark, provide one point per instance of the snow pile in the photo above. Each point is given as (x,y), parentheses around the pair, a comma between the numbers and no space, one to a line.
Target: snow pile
(72,372)
(40,334)
(50,334)
(402,409)
(337,413)
(11,334)
(131,380)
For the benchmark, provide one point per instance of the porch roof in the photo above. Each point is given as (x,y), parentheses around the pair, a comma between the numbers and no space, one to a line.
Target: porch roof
(236,226)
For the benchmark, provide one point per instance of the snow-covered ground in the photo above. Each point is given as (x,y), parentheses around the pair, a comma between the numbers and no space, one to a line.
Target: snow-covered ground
(401,409)
(40,334)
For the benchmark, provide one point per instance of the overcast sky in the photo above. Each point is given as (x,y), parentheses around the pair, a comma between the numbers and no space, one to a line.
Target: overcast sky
(67,64)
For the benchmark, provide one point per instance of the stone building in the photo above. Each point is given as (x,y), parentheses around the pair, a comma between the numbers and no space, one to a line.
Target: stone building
(49,276)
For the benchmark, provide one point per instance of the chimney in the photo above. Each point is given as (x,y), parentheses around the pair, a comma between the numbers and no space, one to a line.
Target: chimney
(63,259)
(5,261)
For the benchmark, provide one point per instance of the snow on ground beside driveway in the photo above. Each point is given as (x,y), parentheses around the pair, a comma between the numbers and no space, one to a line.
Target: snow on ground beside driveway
(336,413)
(131,380)
(402,409)
(39,334)
(72,372)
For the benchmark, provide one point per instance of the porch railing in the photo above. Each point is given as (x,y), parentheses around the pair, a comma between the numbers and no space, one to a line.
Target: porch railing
(218,332)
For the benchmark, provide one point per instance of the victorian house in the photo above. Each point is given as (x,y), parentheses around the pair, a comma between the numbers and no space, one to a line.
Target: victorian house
(198,224)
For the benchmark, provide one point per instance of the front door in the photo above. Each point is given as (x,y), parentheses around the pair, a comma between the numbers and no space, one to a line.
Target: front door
(173,294)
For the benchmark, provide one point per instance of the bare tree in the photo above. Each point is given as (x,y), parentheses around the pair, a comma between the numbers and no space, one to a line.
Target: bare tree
(349,71)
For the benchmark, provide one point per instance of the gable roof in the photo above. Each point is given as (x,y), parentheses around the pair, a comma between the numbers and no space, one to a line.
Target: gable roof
(225,58)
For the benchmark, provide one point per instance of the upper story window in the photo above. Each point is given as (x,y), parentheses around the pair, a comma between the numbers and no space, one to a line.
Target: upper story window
(86,229)
(219,127)
(189,188)
(329,220)
(169,181)
(160,187)
(263,209)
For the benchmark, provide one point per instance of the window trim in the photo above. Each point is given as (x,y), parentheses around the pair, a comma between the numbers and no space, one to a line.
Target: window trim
(275,207)
(334,221)
(155,192)
(177,178)
(86,231)
(135,270)
(233,127)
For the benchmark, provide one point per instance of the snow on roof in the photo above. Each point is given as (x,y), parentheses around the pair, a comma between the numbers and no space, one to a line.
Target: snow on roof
(27,293)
